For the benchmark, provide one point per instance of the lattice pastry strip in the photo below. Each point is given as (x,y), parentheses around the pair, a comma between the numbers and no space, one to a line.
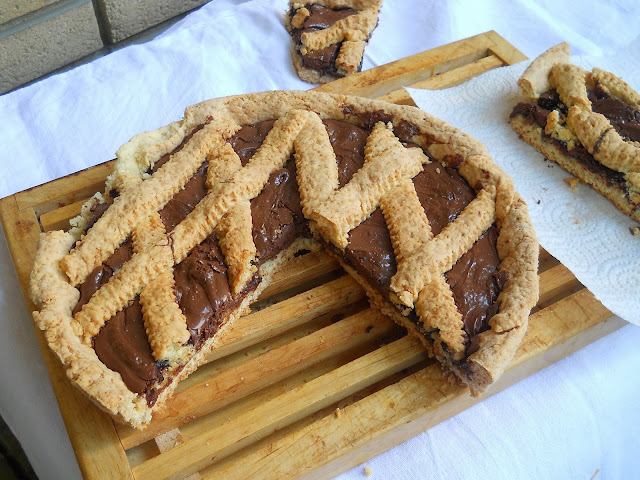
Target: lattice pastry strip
(145,266)
(316,165)
(602,141)
(446,248)
(244,184)
(354,202)
(164,322)
(234,229)
(615,86)
(410,233)
(570,82)
(356,27)
(120,219)
(350,56)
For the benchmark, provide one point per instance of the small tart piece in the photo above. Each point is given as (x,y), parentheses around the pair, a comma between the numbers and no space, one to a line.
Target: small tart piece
(198,215)
(587,122)
(329,36)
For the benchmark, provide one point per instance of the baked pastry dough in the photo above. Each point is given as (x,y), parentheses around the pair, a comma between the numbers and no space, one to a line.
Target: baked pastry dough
(587,122)
(329,36)
(198,214)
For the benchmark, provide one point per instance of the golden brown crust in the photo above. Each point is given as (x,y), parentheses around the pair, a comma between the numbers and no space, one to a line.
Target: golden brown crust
(225,210)
(234,229)
(602,141)
(316,165)
(532,134)
(535,79)
(616,87)
(570,82)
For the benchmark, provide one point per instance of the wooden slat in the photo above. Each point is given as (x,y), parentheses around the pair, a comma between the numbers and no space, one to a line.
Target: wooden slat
(66,190)
(23,230)
(407,71)
(58,219)
(504,50)
(195,454)
(444,80)
(300,270)
(294,311)
(555,283)
(235,383)
(414,404)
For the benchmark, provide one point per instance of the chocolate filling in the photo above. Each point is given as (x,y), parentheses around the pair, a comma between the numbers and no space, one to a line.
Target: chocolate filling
(443,194)
(122,345)
(203,292)
(201,282)
(623,118)
(323,60)
(276,211)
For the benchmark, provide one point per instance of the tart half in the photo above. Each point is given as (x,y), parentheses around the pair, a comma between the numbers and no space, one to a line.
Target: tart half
(198,214)
(587,122)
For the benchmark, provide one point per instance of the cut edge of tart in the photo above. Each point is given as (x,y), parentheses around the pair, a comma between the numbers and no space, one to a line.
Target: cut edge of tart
(235,149)
(586,122)
(329,36)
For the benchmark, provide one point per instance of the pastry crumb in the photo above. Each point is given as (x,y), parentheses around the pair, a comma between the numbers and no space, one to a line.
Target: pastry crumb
(367,471)
(572,182)
(337,413)
(635,231)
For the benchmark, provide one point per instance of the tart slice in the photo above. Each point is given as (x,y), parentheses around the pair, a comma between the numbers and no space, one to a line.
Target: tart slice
(197,216)
(587,122)
(329,36)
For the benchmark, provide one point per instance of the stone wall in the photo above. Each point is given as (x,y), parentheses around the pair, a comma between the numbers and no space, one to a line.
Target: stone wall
(40,36)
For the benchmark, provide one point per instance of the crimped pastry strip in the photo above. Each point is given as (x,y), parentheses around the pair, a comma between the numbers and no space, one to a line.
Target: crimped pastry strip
(406,220)
(603,142)
(446,248)
(410,233)
(350,56)
(244,184)
(235,228)
(517,249)
(164,321)
(616,87)
(316,166)
(151,195)
(354,202)
(437,309)
(354,27)
(123,286)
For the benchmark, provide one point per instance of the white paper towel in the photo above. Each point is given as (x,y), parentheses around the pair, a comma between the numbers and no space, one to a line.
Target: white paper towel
(580,228)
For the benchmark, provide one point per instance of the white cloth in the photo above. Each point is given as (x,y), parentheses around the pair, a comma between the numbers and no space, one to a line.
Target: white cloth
(573,418)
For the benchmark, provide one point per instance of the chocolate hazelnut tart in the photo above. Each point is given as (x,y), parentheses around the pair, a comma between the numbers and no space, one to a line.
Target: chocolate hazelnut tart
(197,216)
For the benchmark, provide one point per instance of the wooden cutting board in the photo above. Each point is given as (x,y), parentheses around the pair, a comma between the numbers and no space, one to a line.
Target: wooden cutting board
(286,394)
